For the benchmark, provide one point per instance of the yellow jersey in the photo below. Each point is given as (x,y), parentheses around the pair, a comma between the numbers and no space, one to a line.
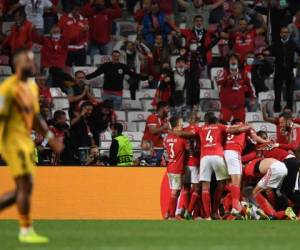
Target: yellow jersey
(19,103)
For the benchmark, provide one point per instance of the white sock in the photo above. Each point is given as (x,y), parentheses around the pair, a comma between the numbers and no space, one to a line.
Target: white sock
(25,230)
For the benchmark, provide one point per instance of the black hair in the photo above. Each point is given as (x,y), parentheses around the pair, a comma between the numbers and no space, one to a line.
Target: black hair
(197,16)
(58,114)
(180,59)
(174,121)
(161,105)
(287,115)
(261,133)
(20,11)
(208,115)
(79,72)
(118,126)
(116,51)
(236,121)
(85,104)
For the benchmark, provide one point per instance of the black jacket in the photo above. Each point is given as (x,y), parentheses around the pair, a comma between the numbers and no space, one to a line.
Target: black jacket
(284,54)
(113,75)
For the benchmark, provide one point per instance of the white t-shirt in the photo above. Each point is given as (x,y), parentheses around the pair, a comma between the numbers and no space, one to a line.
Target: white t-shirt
(34,10)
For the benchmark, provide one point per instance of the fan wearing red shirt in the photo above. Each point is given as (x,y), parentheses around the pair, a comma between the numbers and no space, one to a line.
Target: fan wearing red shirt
(175,147)
(20,35)
(283,131)
(75,28)
(156,128)
(243,40)
(234,86)
(212,135)
(234,146)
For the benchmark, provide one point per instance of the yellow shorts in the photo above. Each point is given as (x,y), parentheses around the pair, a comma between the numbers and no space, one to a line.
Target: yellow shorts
(20,161)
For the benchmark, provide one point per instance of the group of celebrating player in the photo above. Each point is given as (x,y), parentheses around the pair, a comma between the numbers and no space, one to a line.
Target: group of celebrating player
(219,171)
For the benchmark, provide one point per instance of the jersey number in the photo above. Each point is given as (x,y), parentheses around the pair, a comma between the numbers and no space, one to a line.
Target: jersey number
(172,150)
(230,137)
(209,137)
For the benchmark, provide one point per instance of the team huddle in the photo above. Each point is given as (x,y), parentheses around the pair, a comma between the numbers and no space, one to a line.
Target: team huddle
(219,171)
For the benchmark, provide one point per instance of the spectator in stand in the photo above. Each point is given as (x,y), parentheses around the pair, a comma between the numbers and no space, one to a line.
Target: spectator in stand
(243,40)
(155,22)
(198,7)
(20,35)
(120,152)
(132,58)
(45,94)
(158,56)
(294,29)
(240,11)
(79,92)
(50,17)
(261,70)
(98,14)
(114,73)
(143,11)
(60,129)
(234,86)
(75,28)
(34,10)
(148,155)
(156,129)
(284,52)
(80,132)
(103,117)
(46,114)
(178,89)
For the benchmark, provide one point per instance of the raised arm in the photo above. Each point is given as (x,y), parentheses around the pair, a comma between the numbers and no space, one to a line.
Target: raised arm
(183,3)
(96,73)
(217,4)
(236,129)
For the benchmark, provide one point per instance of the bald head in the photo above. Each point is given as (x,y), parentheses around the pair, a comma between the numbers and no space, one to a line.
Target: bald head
(24,65)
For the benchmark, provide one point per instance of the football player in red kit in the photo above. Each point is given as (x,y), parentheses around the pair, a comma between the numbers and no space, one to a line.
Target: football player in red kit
(175,147)
(191,173)
(212,135)
(234,146)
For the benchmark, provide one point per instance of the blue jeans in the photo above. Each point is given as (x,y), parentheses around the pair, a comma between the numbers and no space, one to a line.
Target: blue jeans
(117,100)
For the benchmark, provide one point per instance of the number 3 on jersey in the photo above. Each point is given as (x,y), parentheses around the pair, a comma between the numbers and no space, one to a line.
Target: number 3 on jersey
(209,137)
(172,150)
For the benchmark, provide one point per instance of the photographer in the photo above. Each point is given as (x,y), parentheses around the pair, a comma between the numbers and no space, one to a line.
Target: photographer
(80,91)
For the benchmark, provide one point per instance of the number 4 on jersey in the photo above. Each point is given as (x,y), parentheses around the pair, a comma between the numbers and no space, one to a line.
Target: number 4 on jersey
(209,137)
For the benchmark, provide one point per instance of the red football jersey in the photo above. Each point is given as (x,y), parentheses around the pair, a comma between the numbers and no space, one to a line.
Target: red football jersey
(175,147)
(193,159)
(237,142)
(211,139)
(154,120)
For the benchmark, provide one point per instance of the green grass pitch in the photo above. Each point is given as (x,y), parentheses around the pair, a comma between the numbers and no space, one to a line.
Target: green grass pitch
(164,235)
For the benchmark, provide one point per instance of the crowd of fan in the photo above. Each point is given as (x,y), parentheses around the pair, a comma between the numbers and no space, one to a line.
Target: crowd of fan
(69,30)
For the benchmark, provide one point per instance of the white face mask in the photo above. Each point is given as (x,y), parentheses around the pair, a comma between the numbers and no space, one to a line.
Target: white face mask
(284,40)
(193,47)
(250,60)
(129,52)
(56,36)
(180,70)
(233,66)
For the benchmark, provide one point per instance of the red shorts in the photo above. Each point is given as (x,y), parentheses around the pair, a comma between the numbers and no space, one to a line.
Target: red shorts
(227,113)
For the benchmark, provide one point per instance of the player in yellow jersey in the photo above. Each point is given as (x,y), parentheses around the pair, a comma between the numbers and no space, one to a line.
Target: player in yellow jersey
(19,114)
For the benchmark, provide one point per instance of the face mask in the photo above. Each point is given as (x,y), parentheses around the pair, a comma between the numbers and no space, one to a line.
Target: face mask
(250,61)
(56,36)
(233,66)
(26,73)
(193,47)
(180,70)
(284,40)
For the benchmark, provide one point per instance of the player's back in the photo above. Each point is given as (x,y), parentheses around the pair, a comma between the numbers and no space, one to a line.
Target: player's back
(175,147)
(16,126)
(235,142)
(193,144)
(211,139)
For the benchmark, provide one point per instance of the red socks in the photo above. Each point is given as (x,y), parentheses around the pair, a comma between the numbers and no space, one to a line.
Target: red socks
(194,199)
(206,203)
(185,198)
(173,205)
(264,204)
(227,203)
(236,193)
